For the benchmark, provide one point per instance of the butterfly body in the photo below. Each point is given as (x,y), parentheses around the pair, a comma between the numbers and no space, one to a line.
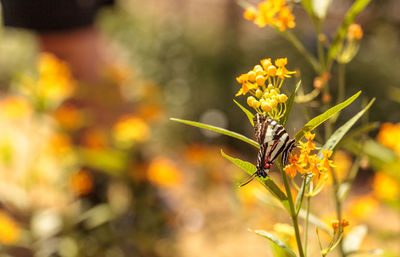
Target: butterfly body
(273,140)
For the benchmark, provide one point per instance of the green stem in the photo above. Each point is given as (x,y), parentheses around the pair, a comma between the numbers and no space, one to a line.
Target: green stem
(341,82)
(338,207)
(306,224)
(320,46)
(289,36)
(292,212)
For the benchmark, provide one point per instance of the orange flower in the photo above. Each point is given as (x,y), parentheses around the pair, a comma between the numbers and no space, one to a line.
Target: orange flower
(335,224)
(354,32)
(250,14)
(81,182)
(163,172)
(389,136)
(385,187)
(363,206)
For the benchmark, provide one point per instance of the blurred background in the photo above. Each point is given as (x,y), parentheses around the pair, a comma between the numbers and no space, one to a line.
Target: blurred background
(90,164)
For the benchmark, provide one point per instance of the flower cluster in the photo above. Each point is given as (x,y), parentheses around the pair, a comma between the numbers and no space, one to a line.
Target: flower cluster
(309,163)
(275,13)
(263,82)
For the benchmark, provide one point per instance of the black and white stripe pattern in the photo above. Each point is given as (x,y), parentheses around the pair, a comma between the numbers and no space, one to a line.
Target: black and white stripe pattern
(273,140)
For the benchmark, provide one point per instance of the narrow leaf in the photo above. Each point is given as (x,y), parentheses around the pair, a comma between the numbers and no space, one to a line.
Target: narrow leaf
(337,44)
(289,104)
(218,130)
(300,195)
(249,115)
(274,240)
(307,4)
(267,182)
(315,220)
(315,122)
(364,129)
(335,138)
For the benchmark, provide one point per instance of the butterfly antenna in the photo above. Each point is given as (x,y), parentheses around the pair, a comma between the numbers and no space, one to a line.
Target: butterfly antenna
(248,180)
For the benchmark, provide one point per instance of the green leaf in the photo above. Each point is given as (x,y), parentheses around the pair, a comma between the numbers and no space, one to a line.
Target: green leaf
(300,195)
(307,4)
(351,14)
(267,182)
(315,122)
(218,130)
(249,115)
(110,161)
(362,130)
(320,7)
(289,104)
(274,240)
(335,138)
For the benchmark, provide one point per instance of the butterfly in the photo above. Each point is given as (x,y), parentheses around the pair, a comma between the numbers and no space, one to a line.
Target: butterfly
(273,140)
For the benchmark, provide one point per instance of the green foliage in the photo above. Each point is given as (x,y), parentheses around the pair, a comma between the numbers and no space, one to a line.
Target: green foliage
(315,122)
(353,12)
(335,138)
(249,115)
(274,240)
(267,182)
(289,104)
(218,130)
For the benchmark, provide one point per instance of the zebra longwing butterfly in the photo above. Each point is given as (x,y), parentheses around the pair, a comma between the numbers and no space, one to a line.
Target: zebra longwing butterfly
(273,140)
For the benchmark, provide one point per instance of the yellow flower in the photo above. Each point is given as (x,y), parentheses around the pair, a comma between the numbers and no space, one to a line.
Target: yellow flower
(354,32)
(163,172)
(131,129)
(389,136)
(250,13)
(14,107)
(263,82)
(385,187)
(9,230)
(362,207)
(275,13)
(55,79)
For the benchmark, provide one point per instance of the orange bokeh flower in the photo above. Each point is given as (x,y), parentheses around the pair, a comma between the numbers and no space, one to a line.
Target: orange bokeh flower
(81,182)
(164,173)
(385,187)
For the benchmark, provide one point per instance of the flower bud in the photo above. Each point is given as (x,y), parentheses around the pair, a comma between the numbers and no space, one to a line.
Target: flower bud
(271,70)
(270,87)
(250,101)
(260,80)
(273,92)
(256,104)
(266,63)
(251,76)
(282,98)
(266,106)
(273,103)
(259,93)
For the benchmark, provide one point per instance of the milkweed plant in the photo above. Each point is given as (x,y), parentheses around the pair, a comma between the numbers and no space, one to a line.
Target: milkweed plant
(309,169)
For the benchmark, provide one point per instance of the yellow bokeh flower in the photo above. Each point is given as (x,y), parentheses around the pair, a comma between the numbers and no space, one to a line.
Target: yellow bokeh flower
(362,207)
(15,107)
(275,13)
(164,173)
(389,136)
(10,232)
(385,187)
(131,129)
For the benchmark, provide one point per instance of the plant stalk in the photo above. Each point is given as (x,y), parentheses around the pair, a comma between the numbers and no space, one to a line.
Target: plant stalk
(308,199)
(292,212)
